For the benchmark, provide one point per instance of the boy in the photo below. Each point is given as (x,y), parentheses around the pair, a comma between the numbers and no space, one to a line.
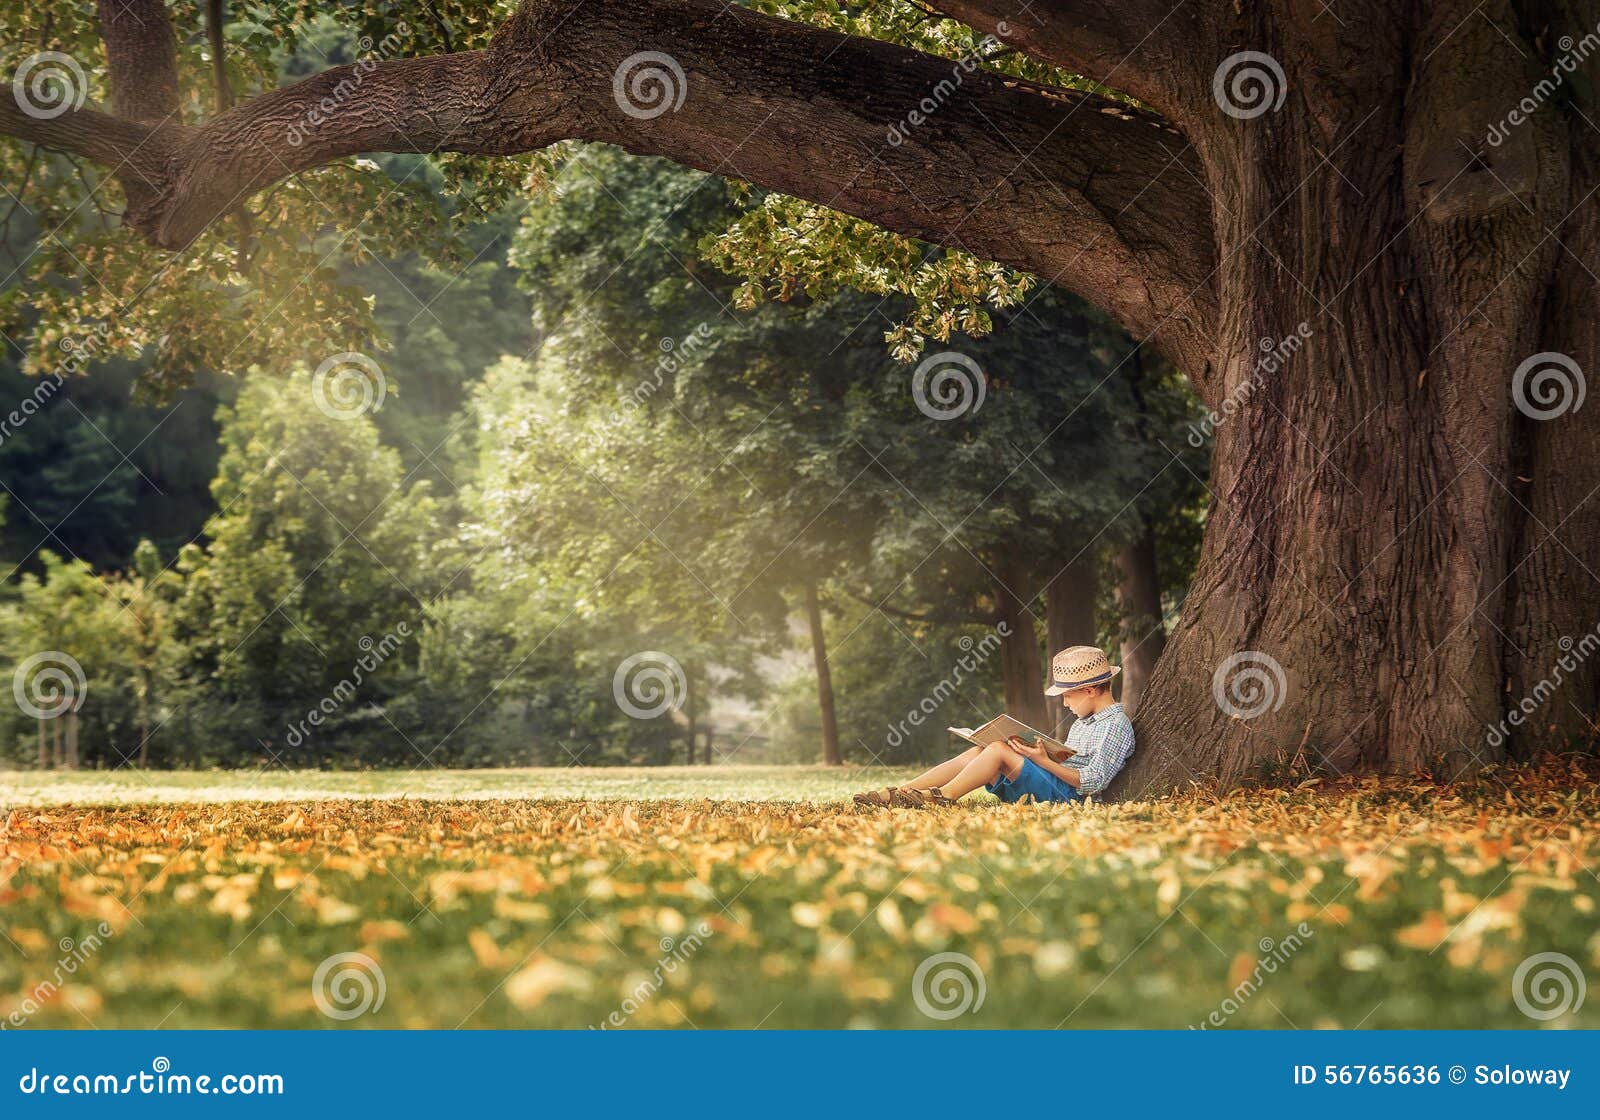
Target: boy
(1099,743)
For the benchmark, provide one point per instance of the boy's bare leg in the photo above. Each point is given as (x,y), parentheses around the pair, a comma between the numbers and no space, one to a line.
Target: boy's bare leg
(942,773)
(983,769)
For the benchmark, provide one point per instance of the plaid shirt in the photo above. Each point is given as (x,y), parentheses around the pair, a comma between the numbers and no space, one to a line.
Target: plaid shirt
(1101,745)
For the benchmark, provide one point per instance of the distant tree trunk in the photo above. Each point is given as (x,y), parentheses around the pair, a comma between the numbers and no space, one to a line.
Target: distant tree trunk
(44,746)
(1144,636)
(689,712)
(144,725)
(819,654)
(1020,667)
(711,735)
(1069,620)
(72,740)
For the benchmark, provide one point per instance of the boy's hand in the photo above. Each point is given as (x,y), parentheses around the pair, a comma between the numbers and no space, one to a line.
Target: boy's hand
(1025,748)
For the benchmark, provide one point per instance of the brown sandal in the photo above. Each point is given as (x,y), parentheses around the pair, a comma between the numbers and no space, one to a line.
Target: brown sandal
(921,799)
(877,798)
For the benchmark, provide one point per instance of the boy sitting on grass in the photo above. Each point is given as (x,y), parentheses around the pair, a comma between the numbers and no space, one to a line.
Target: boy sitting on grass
(1099,743)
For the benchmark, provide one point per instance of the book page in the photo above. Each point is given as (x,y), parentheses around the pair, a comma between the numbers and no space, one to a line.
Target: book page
(1002,727)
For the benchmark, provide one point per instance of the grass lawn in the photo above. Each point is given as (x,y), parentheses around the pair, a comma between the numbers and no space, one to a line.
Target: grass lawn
(645,783)
(744,897)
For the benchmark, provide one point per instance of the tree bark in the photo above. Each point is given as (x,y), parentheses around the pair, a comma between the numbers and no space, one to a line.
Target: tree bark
(1358,577)
(1142,630)
(1069,617)
(819,655)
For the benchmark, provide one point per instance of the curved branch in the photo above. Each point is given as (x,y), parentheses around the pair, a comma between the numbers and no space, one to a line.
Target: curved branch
(1105,200)
(1136,46)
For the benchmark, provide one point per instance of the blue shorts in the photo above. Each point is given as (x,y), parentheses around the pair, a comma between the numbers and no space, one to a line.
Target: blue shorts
(1032,781)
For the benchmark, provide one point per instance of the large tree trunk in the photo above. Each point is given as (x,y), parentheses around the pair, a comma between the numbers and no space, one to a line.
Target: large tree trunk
(1392,542)
(1020,667)
(819,655)
(1142,632)
(1069,621)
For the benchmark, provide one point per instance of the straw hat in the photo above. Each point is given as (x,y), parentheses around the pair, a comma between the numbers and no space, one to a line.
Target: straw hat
(1079,666)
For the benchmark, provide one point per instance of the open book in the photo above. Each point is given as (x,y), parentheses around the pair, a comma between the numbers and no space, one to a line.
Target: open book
(1003,727)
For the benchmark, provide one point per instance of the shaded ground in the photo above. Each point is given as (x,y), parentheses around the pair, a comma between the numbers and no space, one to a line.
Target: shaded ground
(1391,904)
(747,783)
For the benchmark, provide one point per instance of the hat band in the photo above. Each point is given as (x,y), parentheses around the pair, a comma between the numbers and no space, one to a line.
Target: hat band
(1105,676)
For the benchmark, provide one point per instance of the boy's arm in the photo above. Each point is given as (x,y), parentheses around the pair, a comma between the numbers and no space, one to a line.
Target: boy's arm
(1040,754)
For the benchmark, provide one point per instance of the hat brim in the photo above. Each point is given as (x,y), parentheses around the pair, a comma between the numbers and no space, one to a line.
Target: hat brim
(1103,678)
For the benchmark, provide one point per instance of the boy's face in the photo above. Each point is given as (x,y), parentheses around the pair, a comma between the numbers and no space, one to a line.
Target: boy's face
(1081,700)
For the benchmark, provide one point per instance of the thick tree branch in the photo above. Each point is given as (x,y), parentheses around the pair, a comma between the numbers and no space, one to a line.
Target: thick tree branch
(1143,48)
(141,59)
(1104,200)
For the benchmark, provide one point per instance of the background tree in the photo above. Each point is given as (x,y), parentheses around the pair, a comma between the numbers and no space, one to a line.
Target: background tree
(1358,182)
